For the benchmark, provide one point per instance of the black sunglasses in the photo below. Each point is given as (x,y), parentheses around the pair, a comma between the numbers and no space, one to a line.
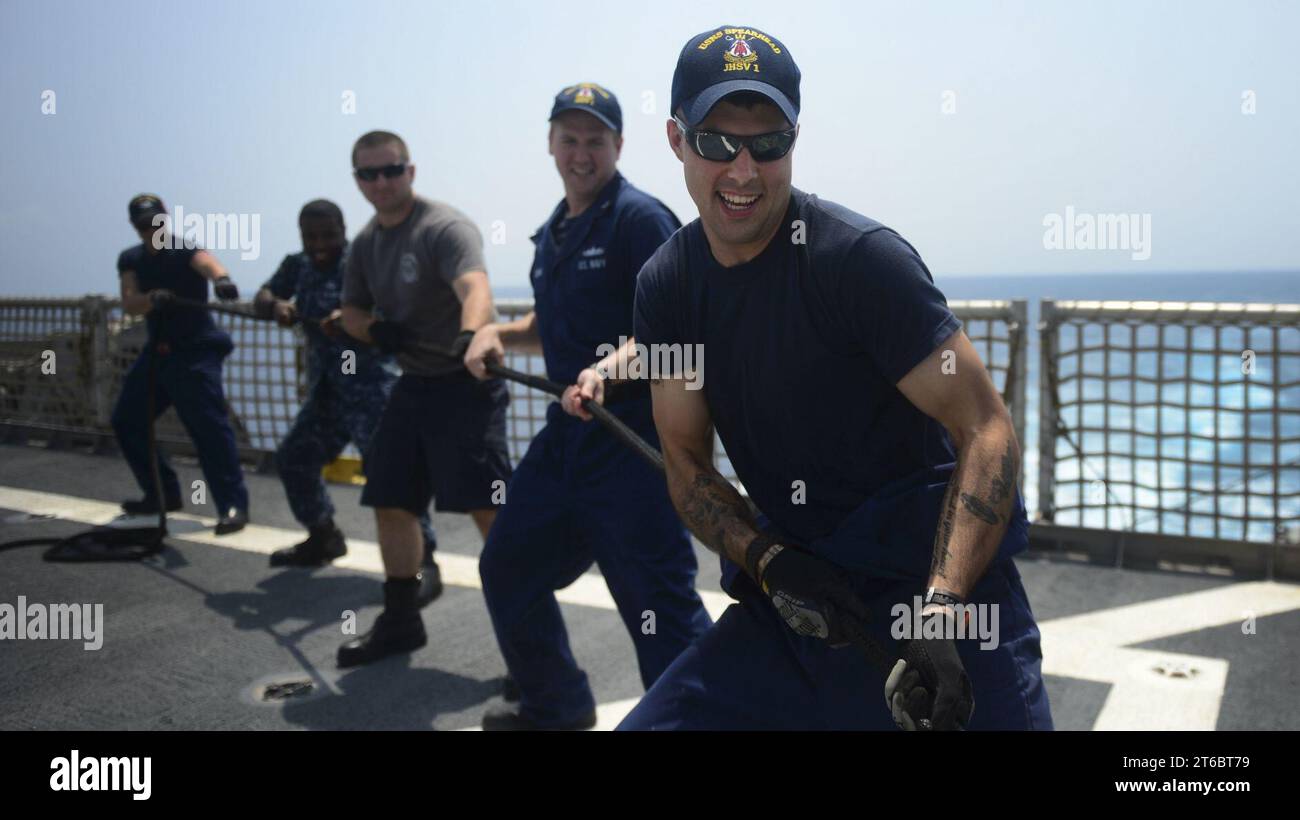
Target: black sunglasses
(389,172)
(718,147)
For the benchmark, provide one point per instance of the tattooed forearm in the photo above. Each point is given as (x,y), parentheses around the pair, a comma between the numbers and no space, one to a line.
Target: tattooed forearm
(1002,486)
(979,509)
(944,533)
(1005,482)
(983,485)
(717,514)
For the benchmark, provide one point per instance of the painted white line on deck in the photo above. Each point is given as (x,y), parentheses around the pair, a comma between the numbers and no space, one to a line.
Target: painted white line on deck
(1091,646)
(363,556)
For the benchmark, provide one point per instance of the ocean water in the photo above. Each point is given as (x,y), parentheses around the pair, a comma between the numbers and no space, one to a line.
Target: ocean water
(1139,472)
(1122,474)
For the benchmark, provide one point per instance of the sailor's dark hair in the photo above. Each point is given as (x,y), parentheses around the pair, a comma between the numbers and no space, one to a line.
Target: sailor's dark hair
(320,208)
(374,139)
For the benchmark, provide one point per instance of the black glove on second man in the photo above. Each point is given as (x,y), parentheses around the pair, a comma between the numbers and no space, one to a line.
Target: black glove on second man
(812,595)
(928,688)
(225,289)
(387,336)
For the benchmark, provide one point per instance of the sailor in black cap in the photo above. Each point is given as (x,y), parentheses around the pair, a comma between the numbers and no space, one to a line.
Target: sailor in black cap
(860,421)
(189,348)
(579,496)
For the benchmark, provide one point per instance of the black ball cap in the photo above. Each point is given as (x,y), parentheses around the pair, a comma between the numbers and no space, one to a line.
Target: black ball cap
(143,207)
(728,59)
(597,101)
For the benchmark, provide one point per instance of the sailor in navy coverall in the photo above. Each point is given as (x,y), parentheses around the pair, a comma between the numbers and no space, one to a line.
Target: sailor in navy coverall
(188,348)
(579,495)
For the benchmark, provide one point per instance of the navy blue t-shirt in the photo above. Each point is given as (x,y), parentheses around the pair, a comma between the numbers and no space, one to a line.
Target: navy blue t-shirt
(170,268)
(803,347)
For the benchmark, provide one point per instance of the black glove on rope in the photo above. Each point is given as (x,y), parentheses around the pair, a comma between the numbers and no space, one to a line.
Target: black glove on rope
(388,336)
(811,594)
(928,688)
(225,289)
(162,298)
(264,309)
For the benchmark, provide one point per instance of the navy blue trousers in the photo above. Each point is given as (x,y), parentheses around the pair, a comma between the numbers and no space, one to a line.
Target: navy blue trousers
(190,379)
(750,671)
(579,497)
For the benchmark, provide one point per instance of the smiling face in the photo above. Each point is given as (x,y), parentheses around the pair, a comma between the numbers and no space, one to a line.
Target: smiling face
(323,240)
(741,202)
(586,154)
(389,196)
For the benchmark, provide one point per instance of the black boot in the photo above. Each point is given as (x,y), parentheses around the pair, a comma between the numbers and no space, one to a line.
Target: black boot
(324,543)
(149,506)
(232,520)
(430,584)
(397,629)
(502,718)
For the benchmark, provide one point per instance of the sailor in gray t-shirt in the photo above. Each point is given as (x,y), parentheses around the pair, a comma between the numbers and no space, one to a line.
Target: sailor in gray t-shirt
(416,287)
(406,274)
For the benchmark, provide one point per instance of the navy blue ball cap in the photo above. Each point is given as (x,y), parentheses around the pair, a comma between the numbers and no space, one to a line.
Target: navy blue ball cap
(590,97)
(728,59)
(143,207)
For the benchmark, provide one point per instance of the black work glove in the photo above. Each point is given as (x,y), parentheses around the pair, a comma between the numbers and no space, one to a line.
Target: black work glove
(388,336)
(461,344)
(161,298)
(225,289)
(812,595)
(928,688)
(264,309)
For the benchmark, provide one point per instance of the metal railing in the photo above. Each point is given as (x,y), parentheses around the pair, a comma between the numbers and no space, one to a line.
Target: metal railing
(94,344)
(1171,418)
(1162,426)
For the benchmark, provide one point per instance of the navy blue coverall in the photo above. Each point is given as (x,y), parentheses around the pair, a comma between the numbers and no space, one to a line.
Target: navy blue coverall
(579,495)
(189,348)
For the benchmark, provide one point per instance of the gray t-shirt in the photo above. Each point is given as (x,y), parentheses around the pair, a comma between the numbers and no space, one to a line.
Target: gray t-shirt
(404,273)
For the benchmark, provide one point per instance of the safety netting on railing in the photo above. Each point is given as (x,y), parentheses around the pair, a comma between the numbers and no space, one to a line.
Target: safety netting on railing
(95,343)
(1171,417)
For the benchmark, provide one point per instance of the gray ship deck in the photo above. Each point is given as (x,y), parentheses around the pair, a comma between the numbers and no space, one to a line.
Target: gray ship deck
(191,636)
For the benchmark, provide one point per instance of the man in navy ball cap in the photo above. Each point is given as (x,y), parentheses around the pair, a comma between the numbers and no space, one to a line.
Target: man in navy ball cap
(726,60)
(578,496)
(186,348)
(879,460)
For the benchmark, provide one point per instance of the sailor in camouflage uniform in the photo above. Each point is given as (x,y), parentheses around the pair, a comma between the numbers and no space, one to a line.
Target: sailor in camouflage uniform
(347,386)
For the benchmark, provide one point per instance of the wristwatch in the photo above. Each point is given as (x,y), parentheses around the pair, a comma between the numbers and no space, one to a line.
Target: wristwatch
(934,595)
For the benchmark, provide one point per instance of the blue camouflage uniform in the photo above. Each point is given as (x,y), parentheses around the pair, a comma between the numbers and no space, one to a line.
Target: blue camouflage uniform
(340,406)
(579,495)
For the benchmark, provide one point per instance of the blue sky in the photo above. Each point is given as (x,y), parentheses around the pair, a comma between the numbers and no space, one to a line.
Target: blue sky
(1113,107)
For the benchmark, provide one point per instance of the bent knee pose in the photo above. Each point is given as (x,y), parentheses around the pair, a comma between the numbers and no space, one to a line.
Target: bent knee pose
(579,496)
(416,287)
(860,420)
(187,349)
